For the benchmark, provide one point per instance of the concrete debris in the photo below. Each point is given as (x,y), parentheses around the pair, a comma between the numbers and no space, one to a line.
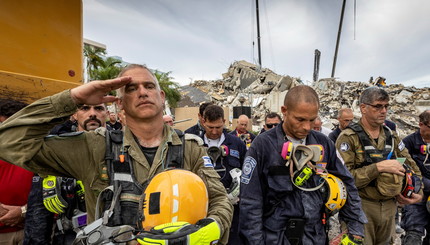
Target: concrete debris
(264,91)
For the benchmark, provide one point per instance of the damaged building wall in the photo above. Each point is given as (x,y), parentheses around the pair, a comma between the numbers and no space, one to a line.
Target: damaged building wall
(264,92)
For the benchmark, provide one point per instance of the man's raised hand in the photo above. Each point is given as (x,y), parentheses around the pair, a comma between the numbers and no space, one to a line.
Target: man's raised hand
(95,92)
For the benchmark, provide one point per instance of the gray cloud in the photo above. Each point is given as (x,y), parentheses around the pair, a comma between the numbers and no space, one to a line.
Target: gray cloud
(199,39)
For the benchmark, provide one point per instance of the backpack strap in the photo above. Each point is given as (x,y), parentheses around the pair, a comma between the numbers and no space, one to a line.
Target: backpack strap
(175,153)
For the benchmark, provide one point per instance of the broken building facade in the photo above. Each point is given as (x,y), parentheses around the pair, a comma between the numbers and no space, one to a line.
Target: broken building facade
(264,91)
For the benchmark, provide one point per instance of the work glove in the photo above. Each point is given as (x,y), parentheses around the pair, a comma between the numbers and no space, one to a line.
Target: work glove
(234,190)
(52,198)
(348,239)
(205,231)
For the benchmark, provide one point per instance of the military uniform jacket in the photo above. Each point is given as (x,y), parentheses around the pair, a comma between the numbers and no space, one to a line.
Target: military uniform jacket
(82,155)
(268,199)
(352,152)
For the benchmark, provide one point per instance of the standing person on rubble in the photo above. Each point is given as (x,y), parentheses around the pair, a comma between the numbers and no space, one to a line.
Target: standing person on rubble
(370,150)
(416,217)
(242,132)
(278,206)
(146,143)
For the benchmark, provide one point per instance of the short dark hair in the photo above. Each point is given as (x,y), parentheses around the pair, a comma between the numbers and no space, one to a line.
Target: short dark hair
(203,107)
(301,93)
(213,113)
(272,115)
(8,107)
(425,117)
(373,94)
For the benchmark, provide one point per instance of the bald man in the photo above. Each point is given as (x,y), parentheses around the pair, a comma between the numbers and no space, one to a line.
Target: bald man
(272,209)
(344,116)
(242,132)
(167,119)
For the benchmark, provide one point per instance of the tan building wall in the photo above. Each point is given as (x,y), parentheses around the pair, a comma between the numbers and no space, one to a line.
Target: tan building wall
(184,113)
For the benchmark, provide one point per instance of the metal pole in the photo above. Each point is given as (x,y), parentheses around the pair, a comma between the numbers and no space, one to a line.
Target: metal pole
(338,39)
(258,33)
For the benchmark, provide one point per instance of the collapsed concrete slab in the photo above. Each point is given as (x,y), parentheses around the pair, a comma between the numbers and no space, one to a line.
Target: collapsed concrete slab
(264,91)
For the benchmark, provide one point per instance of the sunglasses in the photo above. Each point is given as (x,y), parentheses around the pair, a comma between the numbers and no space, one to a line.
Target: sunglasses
(271,125)
(379,106)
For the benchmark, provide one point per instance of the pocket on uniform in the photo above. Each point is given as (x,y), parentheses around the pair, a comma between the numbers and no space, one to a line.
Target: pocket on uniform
(280,183)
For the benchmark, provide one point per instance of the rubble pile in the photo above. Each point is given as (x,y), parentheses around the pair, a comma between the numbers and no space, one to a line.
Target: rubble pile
(263,90)
(242,85)
(406,103)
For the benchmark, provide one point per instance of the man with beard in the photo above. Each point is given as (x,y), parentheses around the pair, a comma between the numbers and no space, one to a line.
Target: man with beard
(91,117)
(40,222)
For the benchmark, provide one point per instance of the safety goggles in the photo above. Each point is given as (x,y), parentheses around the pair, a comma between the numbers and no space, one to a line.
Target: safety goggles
(271,125)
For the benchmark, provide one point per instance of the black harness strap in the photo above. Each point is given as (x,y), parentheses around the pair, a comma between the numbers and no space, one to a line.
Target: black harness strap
(371,154)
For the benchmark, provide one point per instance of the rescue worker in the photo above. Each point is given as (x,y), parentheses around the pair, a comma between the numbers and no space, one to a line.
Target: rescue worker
(242,132)
(198,128)
(167,119)
(369,151)
(146,143)
(65,202)
(271,120)
(345,117)
(272,209)
(228,159)
(416,217)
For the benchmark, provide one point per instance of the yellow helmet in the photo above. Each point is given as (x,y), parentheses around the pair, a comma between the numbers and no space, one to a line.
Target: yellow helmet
(172,196)
(335,192)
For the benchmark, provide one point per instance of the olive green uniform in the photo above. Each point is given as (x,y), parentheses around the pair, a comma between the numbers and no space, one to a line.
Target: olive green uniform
(379,209)
(82,155)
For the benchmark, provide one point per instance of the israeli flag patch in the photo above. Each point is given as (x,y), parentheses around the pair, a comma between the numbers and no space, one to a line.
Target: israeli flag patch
(207,162)
(247,169)
(401,146)
(234,153)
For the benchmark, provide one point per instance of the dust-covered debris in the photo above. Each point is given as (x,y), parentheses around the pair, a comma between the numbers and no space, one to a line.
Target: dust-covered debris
(264,92)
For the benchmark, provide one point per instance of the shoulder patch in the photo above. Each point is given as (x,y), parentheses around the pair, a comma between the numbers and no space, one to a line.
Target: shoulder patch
(207,162)
(344,146)
(401,146)
(247,169)
(234,153)
(194,137)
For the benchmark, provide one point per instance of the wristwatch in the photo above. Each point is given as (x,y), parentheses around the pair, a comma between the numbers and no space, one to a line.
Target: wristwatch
(23,210)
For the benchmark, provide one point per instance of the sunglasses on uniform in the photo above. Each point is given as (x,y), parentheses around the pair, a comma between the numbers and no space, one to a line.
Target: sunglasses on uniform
(379,106)
(271,125)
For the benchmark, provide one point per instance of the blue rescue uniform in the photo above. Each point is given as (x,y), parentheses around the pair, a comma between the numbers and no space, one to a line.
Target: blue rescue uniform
(269,201)
(415,216)
(234,159)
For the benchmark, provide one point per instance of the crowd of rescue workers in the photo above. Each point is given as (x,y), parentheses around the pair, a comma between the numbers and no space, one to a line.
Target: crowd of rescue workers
(73,172)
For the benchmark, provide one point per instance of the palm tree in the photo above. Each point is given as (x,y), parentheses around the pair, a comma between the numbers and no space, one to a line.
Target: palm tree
(94,58)
(107,69)
(169,87)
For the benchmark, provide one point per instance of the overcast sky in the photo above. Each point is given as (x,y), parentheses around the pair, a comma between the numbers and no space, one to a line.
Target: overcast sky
(199,39)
